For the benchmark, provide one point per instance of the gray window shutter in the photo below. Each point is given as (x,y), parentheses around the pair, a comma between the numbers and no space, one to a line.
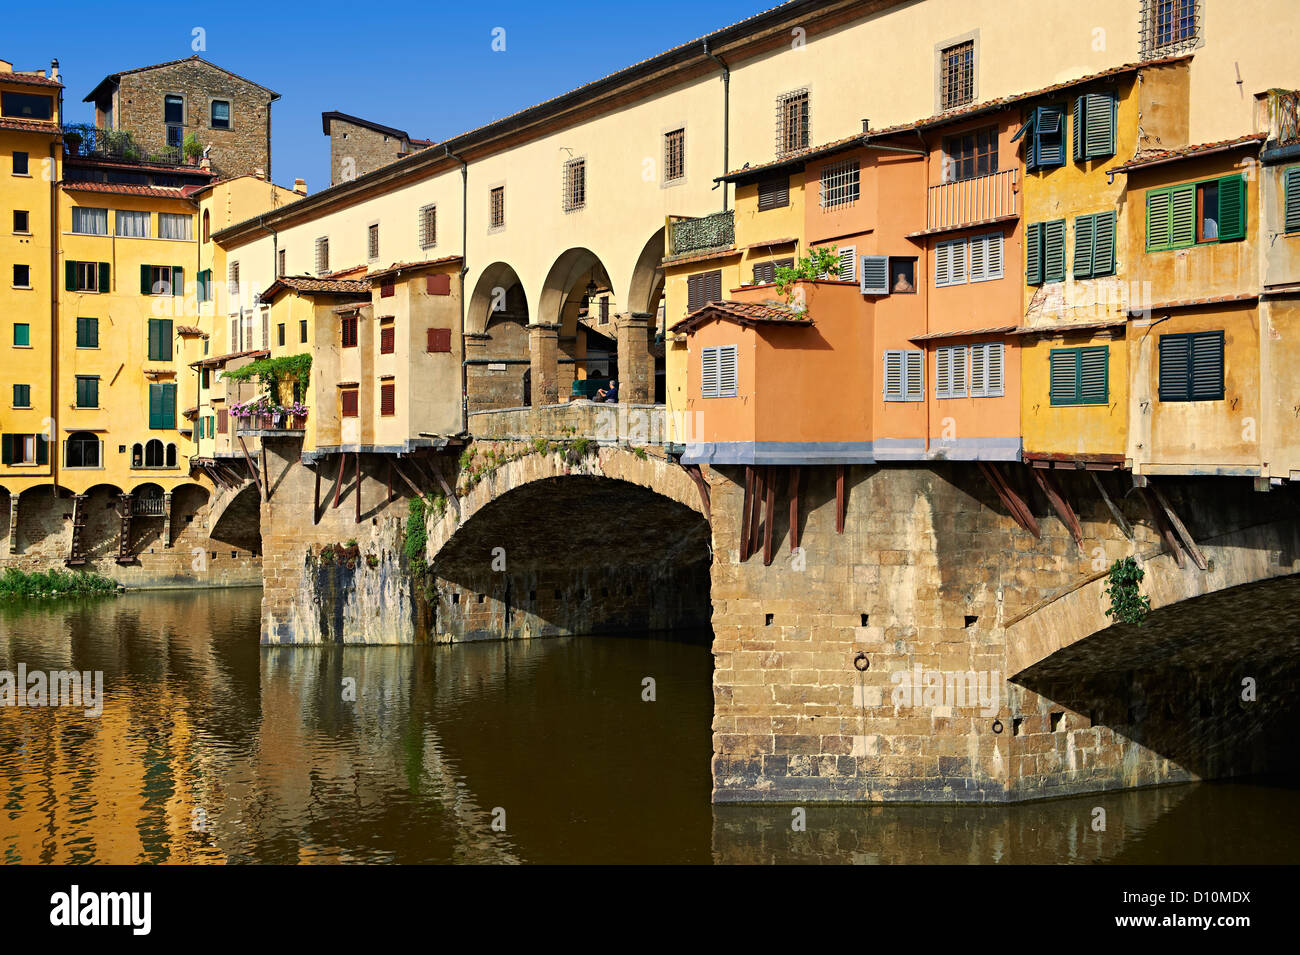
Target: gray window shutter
(874,275)
(979,371)
(942,372)
(728,371)
(709,372)
(1034,254)
(942,265)
(1292,186)
(848,264)
(994,361)
(892,377)
(915,377)
(1174,365)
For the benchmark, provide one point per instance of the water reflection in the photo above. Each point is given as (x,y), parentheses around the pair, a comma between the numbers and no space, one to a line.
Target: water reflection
(212,748)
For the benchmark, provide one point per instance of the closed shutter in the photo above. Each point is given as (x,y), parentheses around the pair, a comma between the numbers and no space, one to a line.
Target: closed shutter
(169,406)
(1232,208)
(915,368)
(439,340)
(1207,366)
(1034,254)
(942,264)
(1054,251)
(993,357)
(155,406)
(178,280)
(986,257)
(709,372)
(103,276)
(694,292)
(70,275)
(848,264)
(1182,217)
(386,340)
(957,262)
(993,249)
(728,371)
(223,421)
(1103,243)
(1291,184)
(146,280)
(1083,243)
(1174,367)
(1063,385)
(7,450)
(874,275)
(764,273)
(1093,376)
(942,372)
(1157,221)
(42,449)
(160,339)
(978,371)
(774,194)
(348,402)
(1099,125)
(387,398)
(712,287)
(978,259)
(892,376)
(387,289)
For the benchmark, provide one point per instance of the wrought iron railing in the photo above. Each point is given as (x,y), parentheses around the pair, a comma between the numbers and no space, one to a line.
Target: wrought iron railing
(967,201)
(85,140)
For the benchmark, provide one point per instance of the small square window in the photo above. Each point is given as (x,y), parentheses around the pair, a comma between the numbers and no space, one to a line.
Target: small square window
(22,396)
(22,276)
(220,114)
(22,334)
(902,276)
(21,221)
(20,164)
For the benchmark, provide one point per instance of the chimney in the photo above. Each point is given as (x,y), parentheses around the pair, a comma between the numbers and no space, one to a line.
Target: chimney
(205,162)
(54,69)
(866,125)
(300,186)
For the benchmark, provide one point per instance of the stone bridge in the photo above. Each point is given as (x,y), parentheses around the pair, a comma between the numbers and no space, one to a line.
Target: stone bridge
(903,633)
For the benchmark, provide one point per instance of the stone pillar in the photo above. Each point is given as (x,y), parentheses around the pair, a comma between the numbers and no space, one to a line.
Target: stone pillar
(13,523)
(544,349)
(635,363)
(475,355)
(167,519)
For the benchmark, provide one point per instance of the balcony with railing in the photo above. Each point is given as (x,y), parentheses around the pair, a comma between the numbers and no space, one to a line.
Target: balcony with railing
(967,202)
(702,233)
(120,145)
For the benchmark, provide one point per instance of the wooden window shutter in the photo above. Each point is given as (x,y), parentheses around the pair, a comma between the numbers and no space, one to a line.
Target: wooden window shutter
(1103,243)
(439,340)
(1232,208)
(709,372)
(728,371)
(223,421)
(387,289)
(942,264)
(348,402)
(1079,113)
(1034,254)
(959,249)
(387,398)
(764,273)
(387,340)
(1175,367)
(1291,185)
(155,406)
(1099,125)
(892,378)
(774,194)
(7,450)
(438,284)
(1093,383)
(103,276)
(1157,220)
(1063,374)
(1182,216)
(42,449)
(943,372)
(914,367)
(694,292)
(70,275)
(874,279)
(146,286)
(1054,251)
(713,286)
(178,280)
(1207,366)
(992,247)
(169,406)
(979,370)
(978,259)
(1083,246)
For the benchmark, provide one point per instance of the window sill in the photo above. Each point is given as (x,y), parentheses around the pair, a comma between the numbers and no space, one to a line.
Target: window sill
(28,234)
(22,288)
(28,347)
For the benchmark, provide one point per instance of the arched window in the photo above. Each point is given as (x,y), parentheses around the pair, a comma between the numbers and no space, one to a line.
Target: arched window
(153,454)
(81,450)
(171,455)
(206,225)
(137,455)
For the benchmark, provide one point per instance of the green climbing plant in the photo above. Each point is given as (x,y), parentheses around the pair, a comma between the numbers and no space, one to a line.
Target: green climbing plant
(819,261)
(1127,602)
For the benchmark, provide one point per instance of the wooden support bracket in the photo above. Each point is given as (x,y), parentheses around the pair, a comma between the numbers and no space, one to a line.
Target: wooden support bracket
(841,499)
(1111,506)
(1056,497)
(794,508)
(1162,523)
(1189,544)
(252,468)
(744,513)
(769,515)
(702,486)
(1018,509)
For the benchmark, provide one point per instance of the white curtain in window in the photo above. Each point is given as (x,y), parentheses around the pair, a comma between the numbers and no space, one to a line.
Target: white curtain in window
(175,226)
(132,225)
(90,221)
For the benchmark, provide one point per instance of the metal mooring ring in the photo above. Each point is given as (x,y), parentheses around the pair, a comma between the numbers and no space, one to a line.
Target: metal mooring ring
(997,726)
(862,662)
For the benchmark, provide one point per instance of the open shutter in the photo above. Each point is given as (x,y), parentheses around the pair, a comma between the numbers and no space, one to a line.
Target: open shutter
(915,368)
(152,353)
(1099,125)
(103,276)
(1034,254)
(1174,367)
(155,406)
(1093,371)
(165,340)
(1182,217)
(1206,366)
(848,264)
(1157,221)
(1027,131)
(994,372)
(942,264)
(1063,385)
(146,288)
(7,450)
(1083,245)
(1232,208)
(874,277)
(1103,243)
(70,275)
(42,449)
(709,373)
(1079,113)
(178,280)
(1054,251)
(1291,181)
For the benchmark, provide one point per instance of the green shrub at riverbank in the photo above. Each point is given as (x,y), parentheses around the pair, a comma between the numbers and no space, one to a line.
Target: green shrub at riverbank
(54,583)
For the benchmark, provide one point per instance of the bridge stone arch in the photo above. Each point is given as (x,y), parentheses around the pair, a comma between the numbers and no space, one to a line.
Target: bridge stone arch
(549,544)
(647,285)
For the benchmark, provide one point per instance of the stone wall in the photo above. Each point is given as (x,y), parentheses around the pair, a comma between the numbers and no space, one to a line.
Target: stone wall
(356,150)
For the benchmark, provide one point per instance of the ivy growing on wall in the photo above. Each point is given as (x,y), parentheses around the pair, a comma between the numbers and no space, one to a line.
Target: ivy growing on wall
(1127,603)
(270,372)
(819,261)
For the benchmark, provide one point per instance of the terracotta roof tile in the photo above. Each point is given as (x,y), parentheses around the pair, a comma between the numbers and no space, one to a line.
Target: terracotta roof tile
(30,126)
(188,330)
(967,333)
(311,285)
(410,266)
(744,313)
(706,255)
(1156,157)
(126,189)
(30,79)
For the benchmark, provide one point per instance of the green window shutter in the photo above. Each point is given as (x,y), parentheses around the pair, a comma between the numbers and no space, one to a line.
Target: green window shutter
(1054,251)
(22,333)
(42,450)
(1232,208)
(1291,183)
(103,277)
(1083,241)
(145,287)
(1094,376)
(155,406)
(178,280)
(70,275)
(1027,131)
(165,339)
(7,450)
(1174,367)
(169,406)
(1049,141)
(1063,374)
(1182,216)
(152,354)
(1206,359)
(1103,243)
(1157,220)
(1079,113)
(1099,125)
(1034,254)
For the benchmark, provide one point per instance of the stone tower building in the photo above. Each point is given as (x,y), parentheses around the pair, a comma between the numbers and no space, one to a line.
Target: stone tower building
(358,146)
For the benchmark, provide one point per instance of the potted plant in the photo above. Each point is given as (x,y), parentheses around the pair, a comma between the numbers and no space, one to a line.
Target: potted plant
(72,139)
(193,149)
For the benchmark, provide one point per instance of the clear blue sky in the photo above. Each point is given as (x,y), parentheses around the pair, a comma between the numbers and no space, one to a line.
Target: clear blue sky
(428,68)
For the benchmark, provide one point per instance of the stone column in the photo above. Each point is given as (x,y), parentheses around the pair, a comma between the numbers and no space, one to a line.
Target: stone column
(544,350)
(13,523)
(167,518)
(475,351)
(635,363)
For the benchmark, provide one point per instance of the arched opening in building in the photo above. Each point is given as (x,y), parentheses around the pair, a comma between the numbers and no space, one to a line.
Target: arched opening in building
(646,296)
(579,297)
(496,347)
(83,449)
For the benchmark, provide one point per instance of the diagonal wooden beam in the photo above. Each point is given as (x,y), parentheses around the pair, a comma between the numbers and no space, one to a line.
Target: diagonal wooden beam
(769,516)
(744,512)
(1056,497)
(257,478)
(409,483)
(1162,524)
(338,481)
(841,502)
(756,510)
(356,457)
(794,508)
(1019,510)
(1189,544)
(1111,506)
(702,486)
(315,504)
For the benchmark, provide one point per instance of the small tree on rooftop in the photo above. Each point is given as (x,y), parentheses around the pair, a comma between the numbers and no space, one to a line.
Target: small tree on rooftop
(818,262)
